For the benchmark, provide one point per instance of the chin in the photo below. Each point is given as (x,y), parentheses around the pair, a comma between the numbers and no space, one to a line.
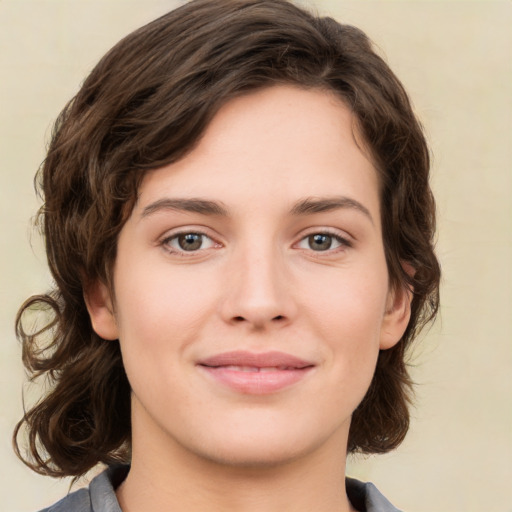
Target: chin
(251,456)
(259,446)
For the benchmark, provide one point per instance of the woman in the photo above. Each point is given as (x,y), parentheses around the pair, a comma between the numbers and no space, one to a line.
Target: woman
(239,224)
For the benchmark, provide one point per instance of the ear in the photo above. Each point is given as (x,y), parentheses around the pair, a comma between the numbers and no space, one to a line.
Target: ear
(100,307)
(398,313)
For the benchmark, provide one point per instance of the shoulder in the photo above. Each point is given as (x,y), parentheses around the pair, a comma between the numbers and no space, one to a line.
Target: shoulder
(366,497)
(78,501)
(99,496)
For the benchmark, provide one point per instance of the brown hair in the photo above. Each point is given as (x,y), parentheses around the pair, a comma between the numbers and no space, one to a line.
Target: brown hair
(145,105)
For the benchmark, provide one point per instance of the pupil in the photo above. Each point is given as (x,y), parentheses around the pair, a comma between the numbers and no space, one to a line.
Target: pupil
(320,242)
(190,241)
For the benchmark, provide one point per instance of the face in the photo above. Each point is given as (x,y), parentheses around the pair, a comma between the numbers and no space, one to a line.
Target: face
(251,288)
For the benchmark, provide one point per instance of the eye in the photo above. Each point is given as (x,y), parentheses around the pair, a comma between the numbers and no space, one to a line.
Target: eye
(323,242)
(188,242)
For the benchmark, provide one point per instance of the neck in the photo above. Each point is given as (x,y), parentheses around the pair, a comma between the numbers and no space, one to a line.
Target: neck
(176,478)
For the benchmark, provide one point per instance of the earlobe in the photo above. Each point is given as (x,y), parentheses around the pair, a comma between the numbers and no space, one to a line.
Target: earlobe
(397,316)
(101,312)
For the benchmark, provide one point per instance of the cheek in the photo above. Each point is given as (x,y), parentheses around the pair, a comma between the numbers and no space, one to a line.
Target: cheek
(157,301)
(159,316)
(347,301)
(347,315)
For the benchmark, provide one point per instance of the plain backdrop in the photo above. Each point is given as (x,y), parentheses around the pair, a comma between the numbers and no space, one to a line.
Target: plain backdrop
(455,59)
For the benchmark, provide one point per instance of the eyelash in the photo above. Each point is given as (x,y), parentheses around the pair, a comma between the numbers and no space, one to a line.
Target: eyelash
(166,243)
(344,243)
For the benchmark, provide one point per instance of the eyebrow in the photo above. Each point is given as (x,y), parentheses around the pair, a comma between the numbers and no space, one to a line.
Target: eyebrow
(192,205)
(307,206)
(312,205)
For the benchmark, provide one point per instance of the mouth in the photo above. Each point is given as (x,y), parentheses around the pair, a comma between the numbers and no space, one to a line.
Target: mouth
(237,368)
(257,374)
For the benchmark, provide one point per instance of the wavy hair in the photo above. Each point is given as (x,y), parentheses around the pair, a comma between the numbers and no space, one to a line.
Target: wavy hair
(145,105)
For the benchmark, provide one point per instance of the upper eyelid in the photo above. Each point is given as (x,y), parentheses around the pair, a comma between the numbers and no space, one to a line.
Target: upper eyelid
(183,230)
(336,232)
(172,236)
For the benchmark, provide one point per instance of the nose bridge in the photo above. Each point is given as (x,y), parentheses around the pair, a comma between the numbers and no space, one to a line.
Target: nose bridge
(257,290)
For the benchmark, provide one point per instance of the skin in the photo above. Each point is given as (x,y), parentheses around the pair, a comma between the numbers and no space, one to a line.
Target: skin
(256,282)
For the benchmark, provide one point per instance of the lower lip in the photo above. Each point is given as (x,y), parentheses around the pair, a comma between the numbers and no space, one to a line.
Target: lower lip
(257,383)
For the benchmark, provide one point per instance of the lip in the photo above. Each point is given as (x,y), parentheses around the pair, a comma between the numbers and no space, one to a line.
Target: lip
(256,373)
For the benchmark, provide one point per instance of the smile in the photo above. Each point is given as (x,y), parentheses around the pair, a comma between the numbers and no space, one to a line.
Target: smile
(257,374)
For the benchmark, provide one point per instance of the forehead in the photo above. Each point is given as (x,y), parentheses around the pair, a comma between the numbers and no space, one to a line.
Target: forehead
(275,144)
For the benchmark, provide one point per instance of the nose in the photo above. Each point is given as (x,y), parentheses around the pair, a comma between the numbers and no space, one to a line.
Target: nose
(258,292)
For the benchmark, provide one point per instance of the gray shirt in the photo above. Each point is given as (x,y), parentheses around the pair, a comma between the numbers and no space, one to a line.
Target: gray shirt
(100,496)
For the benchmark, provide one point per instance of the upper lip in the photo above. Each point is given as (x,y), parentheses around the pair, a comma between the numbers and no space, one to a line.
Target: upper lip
(256,360)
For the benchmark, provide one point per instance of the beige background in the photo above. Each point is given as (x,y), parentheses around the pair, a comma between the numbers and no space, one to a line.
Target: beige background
(455,59)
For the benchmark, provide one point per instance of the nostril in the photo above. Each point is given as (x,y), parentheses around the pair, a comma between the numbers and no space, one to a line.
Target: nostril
(242,319)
